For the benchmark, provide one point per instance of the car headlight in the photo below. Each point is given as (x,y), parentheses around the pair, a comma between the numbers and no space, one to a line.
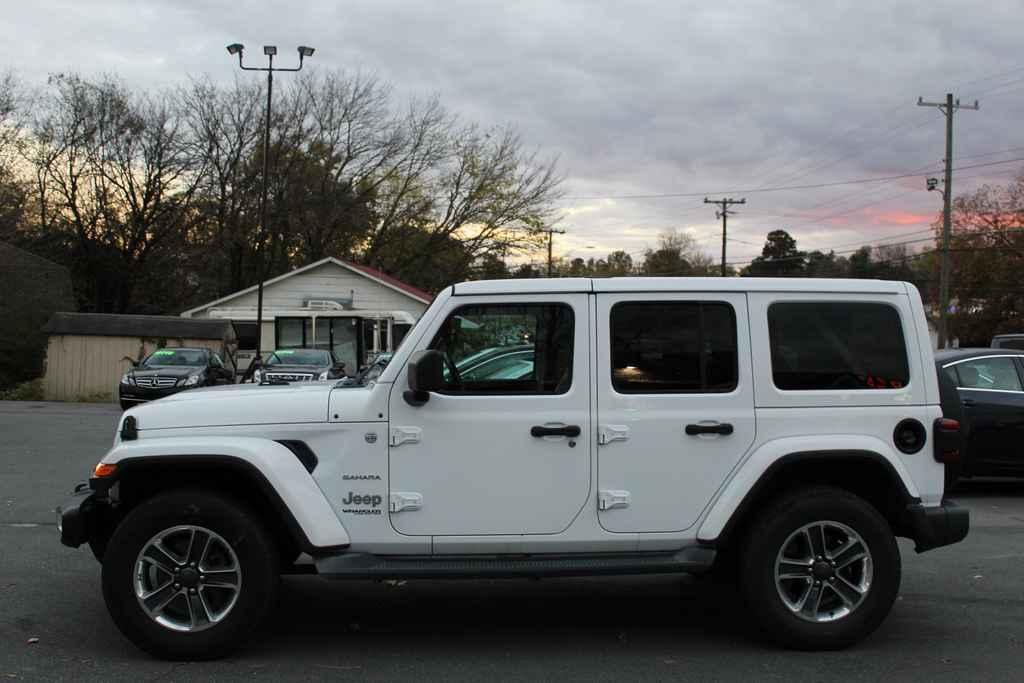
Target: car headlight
(323,375)
(127,379)
(191,380)
(257,376)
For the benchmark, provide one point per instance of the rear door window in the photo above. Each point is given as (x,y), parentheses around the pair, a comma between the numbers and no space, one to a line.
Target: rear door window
(837,345)
(673,347)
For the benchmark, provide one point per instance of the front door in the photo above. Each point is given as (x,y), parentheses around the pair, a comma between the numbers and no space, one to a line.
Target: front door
(505,447)
(675,405)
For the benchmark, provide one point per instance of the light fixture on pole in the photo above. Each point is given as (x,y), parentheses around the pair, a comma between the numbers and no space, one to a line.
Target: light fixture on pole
(270,51)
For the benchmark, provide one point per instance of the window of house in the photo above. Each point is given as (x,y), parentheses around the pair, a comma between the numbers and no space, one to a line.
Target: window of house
(293,333)
(507,348)
(837,345)
(673,347)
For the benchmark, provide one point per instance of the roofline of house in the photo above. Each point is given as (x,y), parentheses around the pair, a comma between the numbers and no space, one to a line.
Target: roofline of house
(330,259)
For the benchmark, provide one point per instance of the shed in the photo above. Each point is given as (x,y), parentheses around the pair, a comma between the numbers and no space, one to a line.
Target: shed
(88,352)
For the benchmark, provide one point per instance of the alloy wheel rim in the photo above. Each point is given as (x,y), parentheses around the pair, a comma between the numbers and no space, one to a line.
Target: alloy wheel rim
(823,571)
(187,578)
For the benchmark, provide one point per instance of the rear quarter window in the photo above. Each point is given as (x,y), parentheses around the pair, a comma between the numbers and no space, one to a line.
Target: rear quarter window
(837,345)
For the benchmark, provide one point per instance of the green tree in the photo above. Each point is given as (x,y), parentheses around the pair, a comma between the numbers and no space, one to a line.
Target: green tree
(675,255)
(779,257)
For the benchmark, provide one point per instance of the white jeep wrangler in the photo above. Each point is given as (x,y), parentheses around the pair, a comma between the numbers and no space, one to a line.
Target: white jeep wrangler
(786,430)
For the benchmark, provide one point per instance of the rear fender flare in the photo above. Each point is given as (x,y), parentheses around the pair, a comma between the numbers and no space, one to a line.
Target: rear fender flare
(732,500)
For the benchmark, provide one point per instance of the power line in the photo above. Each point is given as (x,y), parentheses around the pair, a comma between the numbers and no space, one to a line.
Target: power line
(837,183)
(961,233)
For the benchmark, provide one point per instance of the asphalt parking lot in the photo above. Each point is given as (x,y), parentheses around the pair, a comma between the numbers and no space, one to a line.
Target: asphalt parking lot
(960,615)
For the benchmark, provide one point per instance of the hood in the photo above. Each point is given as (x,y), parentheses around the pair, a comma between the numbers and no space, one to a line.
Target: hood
(168,371)
(291,368)
(237,404)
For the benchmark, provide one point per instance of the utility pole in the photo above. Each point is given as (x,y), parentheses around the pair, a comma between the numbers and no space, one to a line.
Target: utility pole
(949,107)
(551,232)
(724,214)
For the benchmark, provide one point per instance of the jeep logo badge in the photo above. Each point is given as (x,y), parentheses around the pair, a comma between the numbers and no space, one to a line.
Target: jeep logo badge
(366,499)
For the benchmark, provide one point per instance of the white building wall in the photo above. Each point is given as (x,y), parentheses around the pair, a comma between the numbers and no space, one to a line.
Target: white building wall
(325,282)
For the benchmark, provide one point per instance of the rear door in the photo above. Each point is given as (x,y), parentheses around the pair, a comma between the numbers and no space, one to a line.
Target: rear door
(992,396)
(675,405)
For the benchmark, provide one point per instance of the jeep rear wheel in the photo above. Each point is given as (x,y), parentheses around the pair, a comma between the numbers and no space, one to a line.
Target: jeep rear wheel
(189,574)
(820,570)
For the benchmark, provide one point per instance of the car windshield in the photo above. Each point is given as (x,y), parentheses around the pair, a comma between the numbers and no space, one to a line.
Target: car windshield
(182,357)
(299,357)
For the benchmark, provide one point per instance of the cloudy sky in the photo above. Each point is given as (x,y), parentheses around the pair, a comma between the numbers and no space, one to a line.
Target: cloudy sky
(635,98)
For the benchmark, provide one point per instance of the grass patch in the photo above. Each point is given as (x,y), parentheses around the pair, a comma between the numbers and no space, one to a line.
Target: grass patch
(26,391)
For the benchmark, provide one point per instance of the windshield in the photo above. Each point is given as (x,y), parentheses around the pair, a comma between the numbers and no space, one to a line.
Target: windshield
(183,357)
(299,357)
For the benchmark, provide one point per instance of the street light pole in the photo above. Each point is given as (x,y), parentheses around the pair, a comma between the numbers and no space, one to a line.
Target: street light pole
(269,51)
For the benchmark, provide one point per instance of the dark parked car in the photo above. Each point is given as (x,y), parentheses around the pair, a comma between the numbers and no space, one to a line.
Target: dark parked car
(989,403)
(1008,341)
(168,371)
(300,365)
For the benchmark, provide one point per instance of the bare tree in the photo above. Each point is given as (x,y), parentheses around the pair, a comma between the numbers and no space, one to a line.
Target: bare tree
(116,174)
(224,125)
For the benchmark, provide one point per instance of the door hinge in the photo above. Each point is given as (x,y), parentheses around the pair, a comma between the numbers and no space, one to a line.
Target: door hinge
(405,501)
(609,433)
(607,500)
(400,435)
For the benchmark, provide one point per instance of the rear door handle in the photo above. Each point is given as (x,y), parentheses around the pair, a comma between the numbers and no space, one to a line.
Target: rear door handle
(723,428)
(969,402)
(567,430)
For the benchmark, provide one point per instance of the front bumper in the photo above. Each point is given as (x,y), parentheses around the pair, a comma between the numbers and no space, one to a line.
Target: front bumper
(77,516)
(934,527)
(129,392)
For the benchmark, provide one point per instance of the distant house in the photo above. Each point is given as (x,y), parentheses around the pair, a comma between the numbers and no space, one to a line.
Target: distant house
(31,290)
(354,310)
(88,352)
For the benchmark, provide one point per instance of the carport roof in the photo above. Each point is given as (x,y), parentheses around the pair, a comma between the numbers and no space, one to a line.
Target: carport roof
(153,326)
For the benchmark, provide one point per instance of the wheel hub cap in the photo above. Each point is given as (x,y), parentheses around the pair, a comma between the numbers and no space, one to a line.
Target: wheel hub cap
(823,571)
(187,578)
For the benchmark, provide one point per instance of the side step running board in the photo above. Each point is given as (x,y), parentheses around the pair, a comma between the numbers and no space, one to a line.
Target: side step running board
(365,566)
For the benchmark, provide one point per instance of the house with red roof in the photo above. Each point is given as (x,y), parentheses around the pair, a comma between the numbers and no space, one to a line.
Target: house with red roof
(354,310)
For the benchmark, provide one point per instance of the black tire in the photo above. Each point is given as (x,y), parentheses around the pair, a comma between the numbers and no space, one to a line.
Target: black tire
(125,405)
(765,539)
(238,526)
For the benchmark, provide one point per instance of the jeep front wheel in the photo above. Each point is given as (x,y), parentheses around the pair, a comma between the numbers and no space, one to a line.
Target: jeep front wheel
(820,570)
(189,574)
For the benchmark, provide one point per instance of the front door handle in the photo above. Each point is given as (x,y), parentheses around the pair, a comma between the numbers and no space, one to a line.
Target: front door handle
(567,430)
(723,428)
(969,402)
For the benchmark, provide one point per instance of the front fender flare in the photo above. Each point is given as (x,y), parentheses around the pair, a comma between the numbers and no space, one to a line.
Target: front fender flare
(757,468)
(281,475)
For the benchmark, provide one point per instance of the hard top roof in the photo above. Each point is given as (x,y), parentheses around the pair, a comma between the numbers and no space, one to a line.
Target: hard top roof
(678,284)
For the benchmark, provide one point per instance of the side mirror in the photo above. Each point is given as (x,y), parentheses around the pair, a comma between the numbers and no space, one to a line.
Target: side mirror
(426,374)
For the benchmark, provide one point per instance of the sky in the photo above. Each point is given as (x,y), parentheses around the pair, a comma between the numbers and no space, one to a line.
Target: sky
(728,98)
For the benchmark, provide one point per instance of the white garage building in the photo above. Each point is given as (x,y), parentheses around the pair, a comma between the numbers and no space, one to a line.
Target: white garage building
(354,310)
